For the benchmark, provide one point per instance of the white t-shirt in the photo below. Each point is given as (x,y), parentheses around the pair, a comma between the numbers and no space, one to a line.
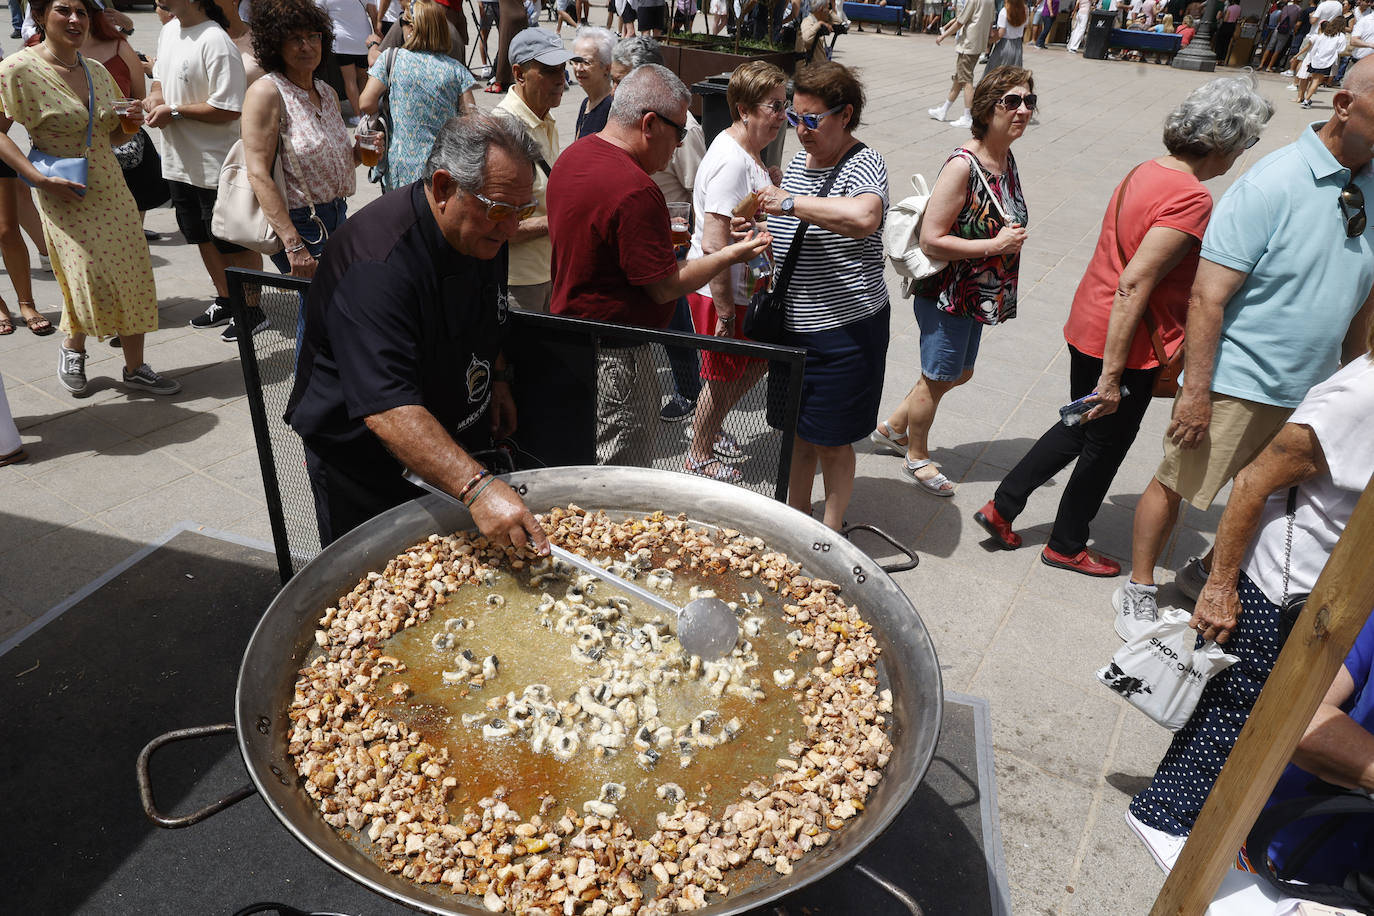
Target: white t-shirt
(1009,31)
(199,64)
(1364,31)
(1327,9)
(351,25)
(725,177)
(1325,50)
(1338,411)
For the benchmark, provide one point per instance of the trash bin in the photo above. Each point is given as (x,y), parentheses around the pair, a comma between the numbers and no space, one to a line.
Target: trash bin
(1243,44)
(1100,25)
(715,115)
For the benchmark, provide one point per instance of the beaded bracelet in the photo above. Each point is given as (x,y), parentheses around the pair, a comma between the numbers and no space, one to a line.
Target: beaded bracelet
(476,479)
(472,502)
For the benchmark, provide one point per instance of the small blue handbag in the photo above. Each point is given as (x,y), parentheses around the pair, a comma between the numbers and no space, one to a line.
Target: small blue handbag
(72,168)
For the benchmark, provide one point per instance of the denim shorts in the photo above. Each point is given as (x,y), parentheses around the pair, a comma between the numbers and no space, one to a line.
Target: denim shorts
(949,344)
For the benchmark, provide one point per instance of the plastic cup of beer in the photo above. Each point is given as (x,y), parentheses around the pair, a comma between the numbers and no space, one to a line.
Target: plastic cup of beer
(680,222)
(369,145)
(128,111)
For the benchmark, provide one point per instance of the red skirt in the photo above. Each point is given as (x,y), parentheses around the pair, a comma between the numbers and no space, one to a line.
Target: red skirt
(718,367)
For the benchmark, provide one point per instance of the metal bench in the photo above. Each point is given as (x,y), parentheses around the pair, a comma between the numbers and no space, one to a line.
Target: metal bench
(1161,44)
(892,14)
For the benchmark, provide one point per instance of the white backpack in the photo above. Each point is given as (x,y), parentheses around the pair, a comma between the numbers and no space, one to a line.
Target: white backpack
(902,237)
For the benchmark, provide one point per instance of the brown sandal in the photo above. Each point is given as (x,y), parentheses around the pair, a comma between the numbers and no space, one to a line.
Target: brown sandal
(6,326)
(13,457)
(39,325)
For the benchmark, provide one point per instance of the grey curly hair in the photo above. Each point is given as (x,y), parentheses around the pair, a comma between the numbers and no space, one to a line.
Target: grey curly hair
(602,39)
(1220,116)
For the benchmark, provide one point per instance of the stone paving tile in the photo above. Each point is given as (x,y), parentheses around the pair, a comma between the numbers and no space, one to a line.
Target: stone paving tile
(144,464)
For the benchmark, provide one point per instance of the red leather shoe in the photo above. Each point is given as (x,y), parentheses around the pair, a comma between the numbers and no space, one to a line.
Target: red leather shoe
(998,527)
(1085,562)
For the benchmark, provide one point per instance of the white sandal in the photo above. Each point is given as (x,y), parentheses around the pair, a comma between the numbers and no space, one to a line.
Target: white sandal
(883,438)
(939,485)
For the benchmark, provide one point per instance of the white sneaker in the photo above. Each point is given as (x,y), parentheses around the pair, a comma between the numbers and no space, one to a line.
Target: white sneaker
(1135,607)
(964,120)
(1191,578)
(1164,847)
(1290,87)
(1286,73)
(44,264)
(938,112)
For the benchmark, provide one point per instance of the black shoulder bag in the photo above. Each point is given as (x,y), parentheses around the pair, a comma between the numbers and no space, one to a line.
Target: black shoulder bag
(764,320)
(1334,807)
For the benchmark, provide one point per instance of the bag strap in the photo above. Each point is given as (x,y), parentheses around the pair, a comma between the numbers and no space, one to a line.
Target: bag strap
(1332,803)
(784,273)
(90,101)
(1288,541)
(1156,340)
(978,167)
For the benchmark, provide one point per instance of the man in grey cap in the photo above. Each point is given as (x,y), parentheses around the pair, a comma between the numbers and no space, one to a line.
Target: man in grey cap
(538,67)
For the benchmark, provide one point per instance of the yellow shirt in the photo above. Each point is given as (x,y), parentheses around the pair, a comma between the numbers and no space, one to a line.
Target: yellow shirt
(529,260)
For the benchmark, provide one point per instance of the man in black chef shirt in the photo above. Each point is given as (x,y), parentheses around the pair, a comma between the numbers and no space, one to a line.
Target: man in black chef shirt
(400,365)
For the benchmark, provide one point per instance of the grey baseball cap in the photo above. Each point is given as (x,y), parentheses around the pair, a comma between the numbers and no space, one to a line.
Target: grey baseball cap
(541,45)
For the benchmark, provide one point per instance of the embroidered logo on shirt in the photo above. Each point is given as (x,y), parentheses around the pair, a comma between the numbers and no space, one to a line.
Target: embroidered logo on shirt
(479,380)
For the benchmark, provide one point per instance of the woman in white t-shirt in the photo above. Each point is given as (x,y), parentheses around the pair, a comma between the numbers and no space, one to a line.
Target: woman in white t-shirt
(1006,36)
(730,173)
(1326,50)
(352,23)
(1271,546)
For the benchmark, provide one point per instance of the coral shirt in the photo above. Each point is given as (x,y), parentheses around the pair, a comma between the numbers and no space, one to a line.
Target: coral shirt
(1156,196)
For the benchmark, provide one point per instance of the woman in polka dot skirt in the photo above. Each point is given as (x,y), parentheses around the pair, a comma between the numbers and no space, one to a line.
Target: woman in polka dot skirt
(1325,454)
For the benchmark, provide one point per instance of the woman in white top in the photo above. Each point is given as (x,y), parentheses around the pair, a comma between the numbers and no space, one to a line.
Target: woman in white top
(1326,50)
(731,172)
(352,25)
(1006,36)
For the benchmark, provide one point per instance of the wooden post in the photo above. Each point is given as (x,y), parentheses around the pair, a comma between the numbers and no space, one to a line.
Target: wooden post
(1334,616)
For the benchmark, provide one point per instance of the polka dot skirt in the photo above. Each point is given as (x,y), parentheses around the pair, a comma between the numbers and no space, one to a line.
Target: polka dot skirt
(1185,776)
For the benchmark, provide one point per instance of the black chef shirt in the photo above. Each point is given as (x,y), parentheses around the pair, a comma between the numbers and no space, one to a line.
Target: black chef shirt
(395,316)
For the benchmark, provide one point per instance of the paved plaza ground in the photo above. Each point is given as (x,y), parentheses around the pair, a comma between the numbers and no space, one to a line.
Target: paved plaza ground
(110,472)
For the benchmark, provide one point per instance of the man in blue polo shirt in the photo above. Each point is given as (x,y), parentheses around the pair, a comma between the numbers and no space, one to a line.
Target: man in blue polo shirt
(401,364)
(1283,293)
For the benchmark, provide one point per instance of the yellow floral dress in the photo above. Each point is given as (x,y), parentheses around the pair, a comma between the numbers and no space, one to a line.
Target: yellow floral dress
(98,252)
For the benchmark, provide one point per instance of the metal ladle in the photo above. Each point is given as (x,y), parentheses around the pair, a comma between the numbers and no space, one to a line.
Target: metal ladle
(705,626)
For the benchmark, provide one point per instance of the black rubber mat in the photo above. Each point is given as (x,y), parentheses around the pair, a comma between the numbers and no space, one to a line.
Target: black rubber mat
(158,646)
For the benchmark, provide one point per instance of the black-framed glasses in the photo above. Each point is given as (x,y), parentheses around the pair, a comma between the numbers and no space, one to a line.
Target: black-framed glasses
(1251,142)
(680,128)
(1013,102)
(1351,202)
(498,210)
(812,121)
(305,39)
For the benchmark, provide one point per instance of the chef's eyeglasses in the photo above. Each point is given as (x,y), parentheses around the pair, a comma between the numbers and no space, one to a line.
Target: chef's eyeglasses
(812,121)
(680,128)
(498,211)
(1351,203)
(1012,102)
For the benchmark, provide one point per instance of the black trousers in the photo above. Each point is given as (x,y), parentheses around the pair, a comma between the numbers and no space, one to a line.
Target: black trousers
(343,500)
(1100,446)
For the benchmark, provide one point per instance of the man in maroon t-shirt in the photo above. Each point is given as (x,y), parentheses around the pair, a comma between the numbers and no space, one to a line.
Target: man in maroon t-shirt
(613,254)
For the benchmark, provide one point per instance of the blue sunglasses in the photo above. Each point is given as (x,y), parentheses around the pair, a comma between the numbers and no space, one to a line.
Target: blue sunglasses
(812,121)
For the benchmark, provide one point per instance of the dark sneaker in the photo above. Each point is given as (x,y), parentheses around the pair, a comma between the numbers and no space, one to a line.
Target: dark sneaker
(71,369)
(677,409)
(214,316)
(145,379)
(1191,578)
(255,315)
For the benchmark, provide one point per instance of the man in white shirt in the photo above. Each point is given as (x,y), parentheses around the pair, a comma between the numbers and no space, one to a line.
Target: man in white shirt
(195,100)
(1326,10)
(1362,35)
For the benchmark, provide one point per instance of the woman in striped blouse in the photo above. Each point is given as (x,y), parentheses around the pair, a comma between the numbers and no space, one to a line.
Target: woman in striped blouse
(836,300)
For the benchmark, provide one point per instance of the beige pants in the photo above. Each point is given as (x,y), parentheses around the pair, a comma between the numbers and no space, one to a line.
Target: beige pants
(627,400)
(1239,431)
(532,298)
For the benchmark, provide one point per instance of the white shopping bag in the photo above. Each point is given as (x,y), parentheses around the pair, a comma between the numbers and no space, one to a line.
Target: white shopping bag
(1161,673)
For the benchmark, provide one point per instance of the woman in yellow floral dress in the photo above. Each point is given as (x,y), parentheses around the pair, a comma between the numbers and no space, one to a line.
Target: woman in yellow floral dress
(94,236)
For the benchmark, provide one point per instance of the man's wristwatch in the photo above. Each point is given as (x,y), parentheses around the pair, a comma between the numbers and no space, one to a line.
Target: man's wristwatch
(176,113)
(786,206)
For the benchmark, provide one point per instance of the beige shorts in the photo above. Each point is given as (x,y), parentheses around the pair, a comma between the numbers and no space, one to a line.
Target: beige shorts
(963,69)
(1239,431)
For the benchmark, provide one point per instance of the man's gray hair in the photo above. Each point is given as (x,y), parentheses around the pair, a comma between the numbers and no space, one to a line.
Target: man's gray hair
(637,51)
(1220,116)
(465,142)
(602,39)
(652,87)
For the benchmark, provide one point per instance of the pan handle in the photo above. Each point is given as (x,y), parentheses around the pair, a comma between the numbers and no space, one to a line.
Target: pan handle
(902,896)
(911,560)
(145,782)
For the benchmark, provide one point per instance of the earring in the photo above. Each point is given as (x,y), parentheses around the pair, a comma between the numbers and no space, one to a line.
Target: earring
(746,121)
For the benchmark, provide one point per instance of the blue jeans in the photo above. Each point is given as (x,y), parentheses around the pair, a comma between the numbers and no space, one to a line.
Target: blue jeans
(16,14)
(332,214)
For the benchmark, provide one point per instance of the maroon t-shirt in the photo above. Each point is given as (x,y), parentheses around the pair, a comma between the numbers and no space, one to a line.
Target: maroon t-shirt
(608,223)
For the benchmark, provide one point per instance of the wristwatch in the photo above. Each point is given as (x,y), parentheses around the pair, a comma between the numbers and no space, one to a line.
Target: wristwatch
(176,113)
(786,206)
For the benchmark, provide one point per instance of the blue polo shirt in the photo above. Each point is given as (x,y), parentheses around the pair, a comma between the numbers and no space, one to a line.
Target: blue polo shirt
(1281,224)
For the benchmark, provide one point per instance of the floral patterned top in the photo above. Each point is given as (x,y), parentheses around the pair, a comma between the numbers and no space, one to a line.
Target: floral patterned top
(424,89)
(983,289)
(321,143)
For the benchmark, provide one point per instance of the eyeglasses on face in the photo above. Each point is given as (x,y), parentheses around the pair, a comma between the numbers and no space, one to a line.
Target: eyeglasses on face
(775,105)
(499,211)
(680,128)
(306,39)
(1351,202)
(812,121)
(1012,102)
